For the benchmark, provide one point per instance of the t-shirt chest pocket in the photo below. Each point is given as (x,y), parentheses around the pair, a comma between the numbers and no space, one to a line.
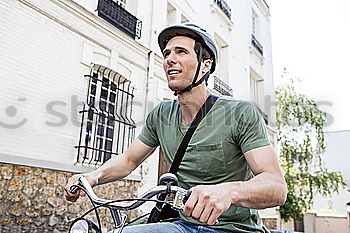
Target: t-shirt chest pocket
(210,159)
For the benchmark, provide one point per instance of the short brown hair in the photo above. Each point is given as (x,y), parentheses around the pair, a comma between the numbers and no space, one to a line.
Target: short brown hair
(205,53)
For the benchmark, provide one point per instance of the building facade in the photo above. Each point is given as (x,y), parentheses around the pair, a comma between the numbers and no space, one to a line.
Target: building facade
(332,214)
(79,78)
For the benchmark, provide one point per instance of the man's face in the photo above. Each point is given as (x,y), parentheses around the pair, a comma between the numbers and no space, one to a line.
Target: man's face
(180,62)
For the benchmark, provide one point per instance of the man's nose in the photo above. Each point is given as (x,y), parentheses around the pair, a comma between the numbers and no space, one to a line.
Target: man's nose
(171,58)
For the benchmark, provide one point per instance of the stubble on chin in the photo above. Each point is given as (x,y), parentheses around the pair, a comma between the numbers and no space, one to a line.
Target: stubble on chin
(172,87)
(175,86)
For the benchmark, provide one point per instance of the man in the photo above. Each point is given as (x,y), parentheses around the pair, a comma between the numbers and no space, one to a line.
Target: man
(229,163)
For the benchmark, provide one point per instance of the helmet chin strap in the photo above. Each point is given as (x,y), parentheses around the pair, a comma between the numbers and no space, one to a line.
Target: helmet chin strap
(194,83)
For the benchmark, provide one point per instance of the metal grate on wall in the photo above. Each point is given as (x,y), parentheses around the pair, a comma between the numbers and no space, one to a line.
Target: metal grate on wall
(221,87)
(224,7)
(107,127)
(257,45)
(119,17)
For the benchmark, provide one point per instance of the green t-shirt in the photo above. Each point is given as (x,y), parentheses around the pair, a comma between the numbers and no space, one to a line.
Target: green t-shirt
(215,153)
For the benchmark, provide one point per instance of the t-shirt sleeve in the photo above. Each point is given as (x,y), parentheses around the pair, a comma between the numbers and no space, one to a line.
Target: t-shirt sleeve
(148,134)
(250,129)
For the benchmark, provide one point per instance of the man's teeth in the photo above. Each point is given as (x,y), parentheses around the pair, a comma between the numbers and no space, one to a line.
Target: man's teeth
(174,72)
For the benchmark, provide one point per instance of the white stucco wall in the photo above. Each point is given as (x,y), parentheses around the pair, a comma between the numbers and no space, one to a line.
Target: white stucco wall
(46,49)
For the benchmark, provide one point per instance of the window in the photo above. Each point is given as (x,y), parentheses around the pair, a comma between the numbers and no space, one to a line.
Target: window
(257,93)
(254,23)
(255,34)
(107,127)
(256,88)
(222,71)
(174,15)
(299,225)
(171,15)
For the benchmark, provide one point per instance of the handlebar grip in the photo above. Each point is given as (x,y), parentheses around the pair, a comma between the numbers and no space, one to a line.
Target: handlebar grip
(73,189)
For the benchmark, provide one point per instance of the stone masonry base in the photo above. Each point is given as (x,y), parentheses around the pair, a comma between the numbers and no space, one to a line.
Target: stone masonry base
(32,200)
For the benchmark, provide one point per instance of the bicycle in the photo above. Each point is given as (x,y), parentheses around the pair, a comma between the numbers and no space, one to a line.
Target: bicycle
(168,185)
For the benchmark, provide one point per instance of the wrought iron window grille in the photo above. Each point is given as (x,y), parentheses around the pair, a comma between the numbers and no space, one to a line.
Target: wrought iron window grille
(257,45)
(119,17)
(224,7)
(107,127)
(221,87)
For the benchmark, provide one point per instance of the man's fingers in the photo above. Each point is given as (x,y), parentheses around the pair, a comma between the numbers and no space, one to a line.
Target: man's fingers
(215,213)
(205,214)
(188,209)
(70,197)
(197,210)
(190,204)
(207,203)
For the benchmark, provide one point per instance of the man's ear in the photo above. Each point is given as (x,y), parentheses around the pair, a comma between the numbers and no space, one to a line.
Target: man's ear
(206,65)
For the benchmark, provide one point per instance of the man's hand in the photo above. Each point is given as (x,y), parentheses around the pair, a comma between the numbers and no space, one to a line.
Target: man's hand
(208,202)
(113,169)
(74,196)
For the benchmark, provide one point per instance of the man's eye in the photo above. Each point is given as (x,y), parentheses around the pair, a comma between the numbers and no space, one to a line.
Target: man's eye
(165,54)
(182,51)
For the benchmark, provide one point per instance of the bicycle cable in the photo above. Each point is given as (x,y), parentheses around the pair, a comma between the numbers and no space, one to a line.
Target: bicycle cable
(96,206)
(121,200)
(93,203)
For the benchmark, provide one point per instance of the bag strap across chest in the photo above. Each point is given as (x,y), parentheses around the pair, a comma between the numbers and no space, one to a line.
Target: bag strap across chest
(184,143)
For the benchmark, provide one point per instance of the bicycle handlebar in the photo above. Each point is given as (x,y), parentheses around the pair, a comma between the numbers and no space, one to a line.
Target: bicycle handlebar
(181,195)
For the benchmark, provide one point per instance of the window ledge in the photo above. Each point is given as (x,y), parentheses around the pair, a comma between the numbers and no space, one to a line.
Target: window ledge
(253,50)
(216,9)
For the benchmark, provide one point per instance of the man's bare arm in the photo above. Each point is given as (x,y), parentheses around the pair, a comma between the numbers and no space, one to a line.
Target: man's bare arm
(114,169)
(266,189)
(122,165)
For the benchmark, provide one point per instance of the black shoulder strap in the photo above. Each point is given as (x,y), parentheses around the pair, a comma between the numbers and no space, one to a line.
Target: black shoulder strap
(184,143)
(157,213)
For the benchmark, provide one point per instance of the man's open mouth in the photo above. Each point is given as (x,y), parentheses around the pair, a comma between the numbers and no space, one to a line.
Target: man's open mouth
(171,72)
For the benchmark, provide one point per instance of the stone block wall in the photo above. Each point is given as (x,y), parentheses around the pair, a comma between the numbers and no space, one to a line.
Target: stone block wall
(270,223)
(32,200)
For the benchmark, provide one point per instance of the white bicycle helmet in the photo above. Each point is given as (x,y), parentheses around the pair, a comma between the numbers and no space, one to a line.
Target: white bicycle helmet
(198,34)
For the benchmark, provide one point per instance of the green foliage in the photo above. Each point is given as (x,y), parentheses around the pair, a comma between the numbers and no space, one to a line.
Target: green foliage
(301,143)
